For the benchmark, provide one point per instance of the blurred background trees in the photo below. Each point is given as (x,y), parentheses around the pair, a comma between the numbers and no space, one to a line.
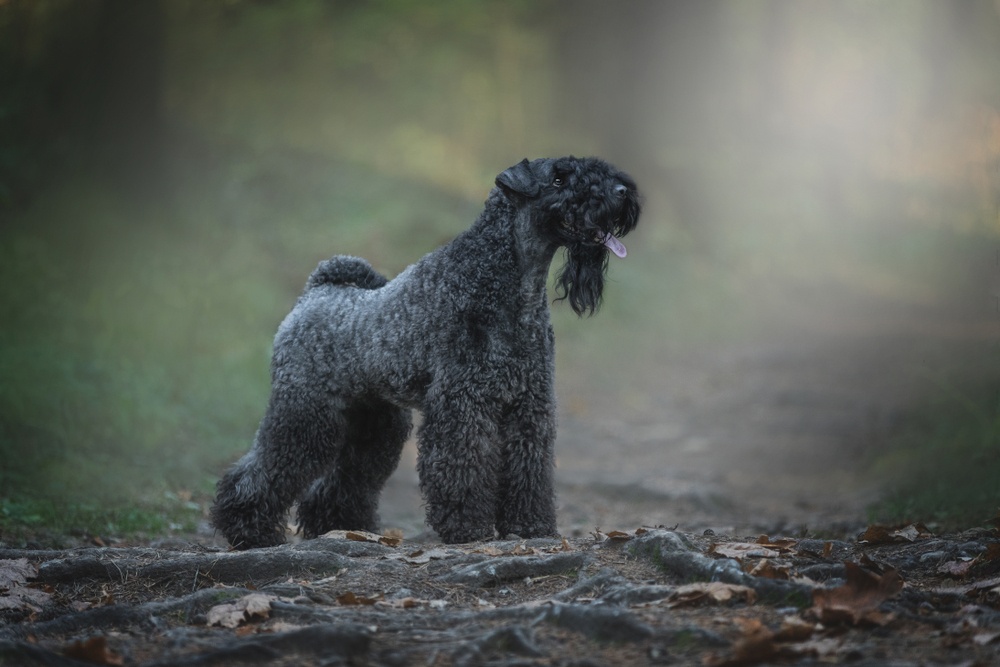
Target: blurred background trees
(171,170)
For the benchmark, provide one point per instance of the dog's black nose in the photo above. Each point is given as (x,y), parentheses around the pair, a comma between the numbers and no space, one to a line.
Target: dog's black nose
(621,190)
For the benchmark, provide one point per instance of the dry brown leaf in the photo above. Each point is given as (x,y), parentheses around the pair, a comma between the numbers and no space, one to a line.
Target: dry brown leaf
(956,568)
(794,629)
(16,594)
(822,648)
(768,569)
(94,650)
(742,550)
(756,645)
(234,614)
(362,536)
(16,572)
(392,538)
(403,603)
(713,591)
(618,536)
(422,557)
(759,643)
(858,599)
(350,598)
(783,544)
(876,534)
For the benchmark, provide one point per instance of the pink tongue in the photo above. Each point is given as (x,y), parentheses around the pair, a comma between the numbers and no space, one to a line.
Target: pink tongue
(615,246)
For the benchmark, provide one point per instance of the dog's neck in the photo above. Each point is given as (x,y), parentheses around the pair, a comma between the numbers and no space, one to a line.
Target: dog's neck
(520,246)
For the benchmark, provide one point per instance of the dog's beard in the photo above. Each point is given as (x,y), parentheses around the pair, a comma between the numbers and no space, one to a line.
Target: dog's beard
(581,280)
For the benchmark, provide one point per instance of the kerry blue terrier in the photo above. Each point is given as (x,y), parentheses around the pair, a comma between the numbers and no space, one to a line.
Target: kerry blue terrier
(462,335)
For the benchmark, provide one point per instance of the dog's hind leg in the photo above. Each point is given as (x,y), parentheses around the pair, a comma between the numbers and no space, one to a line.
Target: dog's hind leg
(346,497)
(296,441)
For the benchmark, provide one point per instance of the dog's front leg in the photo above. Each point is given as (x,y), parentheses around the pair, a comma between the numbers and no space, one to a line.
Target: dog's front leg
(527,505)
(457,464)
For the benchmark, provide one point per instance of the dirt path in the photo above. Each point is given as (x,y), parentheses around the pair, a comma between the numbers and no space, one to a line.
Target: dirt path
(771,437)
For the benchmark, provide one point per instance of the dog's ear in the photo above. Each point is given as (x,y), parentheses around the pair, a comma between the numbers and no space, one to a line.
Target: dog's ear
(519,180)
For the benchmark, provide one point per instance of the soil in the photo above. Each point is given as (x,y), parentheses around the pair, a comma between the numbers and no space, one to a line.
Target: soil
(713,514)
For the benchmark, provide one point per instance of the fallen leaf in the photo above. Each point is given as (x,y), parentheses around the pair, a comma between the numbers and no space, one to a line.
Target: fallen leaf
(14,575)
(984,638)
(618,536)
(876,534)
(985,585)
(824,647)
(768,569)
(756,645)
(16,572)
(421,557)
(392,539)
(362,536)
(742,550)
(759,643)
(794,629)
(350,598)
(402,603)
(94,650)
(858,599)
(233,614)
(956,568)
(712,591)
(783,544)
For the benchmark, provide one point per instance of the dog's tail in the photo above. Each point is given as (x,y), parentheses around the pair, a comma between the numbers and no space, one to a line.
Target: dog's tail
(346,270)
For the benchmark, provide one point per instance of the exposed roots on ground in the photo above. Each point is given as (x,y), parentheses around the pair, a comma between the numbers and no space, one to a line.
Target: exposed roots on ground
(644,597)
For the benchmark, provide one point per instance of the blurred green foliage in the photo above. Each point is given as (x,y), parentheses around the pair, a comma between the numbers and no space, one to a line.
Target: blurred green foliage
(942,461)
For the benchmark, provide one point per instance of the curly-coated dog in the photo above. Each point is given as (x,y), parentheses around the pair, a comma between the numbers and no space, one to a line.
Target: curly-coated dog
(462,335)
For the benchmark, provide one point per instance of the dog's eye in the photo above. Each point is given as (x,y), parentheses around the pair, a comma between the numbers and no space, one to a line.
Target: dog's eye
(557,182)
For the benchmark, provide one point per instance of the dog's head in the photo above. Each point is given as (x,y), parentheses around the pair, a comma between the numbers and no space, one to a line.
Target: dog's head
(584,205)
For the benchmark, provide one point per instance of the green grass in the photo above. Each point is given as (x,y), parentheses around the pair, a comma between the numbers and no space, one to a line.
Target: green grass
(943,462)
(50,520)
(135,336)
